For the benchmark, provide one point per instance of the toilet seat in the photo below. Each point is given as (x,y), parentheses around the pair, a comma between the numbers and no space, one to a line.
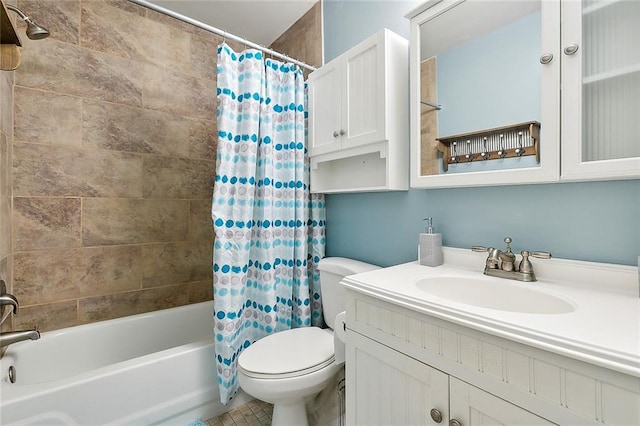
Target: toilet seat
(289,353)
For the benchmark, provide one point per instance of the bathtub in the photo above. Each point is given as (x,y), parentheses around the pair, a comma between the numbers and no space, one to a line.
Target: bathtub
(147,369)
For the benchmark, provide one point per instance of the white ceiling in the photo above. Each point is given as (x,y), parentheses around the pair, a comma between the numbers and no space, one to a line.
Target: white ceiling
(259,21)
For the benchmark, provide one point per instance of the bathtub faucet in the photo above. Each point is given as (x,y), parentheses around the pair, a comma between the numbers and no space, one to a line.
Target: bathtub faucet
(12,337)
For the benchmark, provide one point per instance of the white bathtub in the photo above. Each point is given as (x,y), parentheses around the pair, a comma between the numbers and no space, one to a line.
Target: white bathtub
(156,368)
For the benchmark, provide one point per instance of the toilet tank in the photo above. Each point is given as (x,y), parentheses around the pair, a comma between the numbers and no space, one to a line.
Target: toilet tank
(332,270)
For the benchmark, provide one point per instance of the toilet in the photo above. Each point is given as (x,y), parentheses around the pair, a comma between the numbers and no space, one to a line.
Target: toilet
(287,368)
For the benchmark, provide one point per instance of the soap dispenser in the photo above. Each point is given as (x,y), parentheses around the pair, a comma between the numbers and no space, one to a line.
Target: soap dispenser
(430,246)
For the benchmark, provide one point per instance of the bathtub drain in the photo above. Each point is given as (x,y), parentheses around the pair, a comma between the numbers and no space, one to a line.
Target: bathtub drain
(12,374)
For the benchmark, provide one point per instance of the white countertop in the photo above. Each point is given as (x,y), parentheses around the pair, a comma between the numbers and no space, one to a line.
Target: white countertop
(604,328)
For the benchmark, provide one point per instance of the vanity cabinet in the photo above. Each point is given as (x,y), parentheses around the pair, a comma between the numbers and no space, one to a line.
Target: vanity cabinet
(386,387)
(358,112)
(589,129)
(472,406)
(402,363)
(404,391)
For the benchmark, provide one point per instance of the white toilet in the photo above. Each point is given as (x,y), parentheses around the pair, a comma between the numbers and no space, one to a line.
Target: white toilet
(288,367)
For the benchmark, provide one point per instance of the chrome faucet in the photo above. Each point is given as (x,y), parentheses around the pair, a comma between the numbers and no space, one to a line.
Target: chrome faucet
(12,337)
(502,264)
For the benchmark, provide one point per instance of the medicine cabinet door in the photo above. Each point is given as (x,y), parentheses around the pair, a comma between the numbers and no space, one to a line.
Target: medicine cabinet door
(600,90)
(485,87)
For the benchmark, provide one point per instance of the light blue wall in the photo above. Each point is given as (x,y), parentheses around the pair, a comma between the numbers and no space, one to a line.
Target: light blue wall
(595,221)
(348,22)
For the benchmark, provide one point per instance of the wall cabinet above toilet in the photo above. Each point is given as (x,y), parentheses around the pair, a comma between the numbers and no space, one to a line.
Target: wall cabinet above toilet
(358,118)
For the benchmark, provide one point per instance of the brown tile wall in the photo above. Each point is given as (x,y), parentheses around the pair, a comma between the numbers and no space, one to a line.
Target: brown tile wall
(303,40)
(113,164)
(6,139)
(112,161)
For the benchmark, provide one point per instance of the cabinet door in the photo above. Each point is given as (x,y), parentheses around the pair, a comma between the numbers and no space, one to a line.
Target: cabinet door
(385,387)
(474,407)
(600,90)
(325,108)
(500,68)
(364,108)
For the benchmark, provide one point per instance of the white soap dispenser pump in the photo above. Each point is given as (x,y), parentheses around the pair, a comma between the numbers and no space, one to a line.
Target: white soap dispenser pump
(430,246)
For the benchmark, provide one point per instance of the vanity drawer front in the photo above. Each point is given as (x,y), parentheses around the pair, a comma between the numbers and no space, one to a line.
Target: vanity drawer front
(558,388)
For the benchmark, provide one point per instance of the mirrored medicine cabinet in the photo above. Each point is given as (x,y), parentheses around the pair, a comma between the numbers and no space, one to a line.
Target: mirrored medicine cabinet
(485,93)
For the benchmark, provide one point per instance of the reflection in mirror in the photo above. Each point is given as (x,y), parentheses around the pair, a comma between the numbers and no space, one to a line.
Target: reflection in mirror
(479,60)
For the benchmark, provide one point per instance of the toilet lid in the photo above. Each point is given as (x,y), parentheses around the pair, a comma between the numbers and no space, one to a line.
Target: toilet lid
(291,351)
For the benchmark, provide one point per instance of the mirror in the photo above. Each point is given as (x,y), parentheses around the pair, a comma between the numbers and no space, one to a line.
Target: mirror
(480,114)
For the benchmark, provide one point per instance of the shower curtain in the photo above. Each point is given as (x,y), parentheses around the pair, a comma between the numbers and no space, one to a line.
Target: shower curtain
(269,230)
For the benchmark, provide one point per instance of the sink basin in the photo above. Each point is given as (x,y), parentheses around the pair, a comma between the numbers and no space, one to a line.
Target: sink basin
(502,295)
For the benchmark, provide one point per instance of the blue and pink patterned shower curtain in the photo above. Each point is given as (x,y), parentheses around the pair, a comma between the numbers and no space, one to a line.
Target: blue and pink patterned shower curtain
(269,230)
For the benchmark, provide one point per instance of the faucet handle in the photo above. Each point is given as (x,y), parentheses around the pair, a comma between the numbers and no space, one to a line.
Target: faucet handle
(7,299)
(508,241)
(541,254)
(525,265)
(492,261)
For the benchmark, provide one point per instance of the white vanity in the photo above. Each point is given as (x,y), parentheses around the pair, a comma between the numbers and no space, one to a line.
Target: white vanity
(449,345)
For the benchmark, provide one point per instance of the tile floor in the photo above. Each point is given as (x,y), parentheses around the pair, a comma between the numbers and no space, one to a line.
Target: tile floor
(253,413)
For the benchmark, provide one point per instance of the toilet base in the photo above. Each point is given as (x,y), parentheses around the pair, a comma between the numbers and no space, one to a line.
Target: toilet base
(288,394)
(294,413)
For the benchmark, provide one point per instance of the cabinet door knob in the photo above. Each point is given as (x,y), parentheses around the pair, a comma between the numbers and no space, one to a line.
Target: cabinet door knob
(335,134)
(571,49)
(342,132)
(546,58)
(454,422)
(436,415)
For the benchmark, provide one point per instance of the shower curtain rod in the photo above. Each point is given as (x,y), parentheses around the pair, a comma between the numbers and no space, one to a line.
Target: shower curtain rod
(223,33)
